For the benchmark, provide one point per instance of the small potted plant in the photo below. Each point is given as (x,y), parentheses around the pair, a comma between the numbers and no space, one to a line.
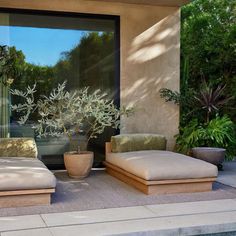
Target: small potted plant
(78,112)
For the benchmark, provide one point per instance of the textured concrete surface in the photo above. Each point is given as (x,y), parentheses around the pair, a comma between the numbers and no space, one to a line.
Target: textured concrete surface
(21,222)
(228,175)
(195,218)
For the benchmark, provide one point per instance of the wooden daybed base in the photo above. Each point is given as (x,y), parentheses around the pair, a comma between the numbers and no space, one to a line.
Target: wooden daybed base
(161,187)
(158,187)
(20,198)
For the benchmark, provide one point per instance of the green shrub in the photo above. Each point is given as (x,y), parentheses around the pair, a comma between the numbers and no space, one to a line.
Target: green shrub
(219,132)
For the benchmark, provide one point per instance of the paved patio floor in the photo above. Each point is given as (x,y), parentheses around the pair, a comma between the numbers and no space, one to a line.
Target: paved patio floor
(193,218)
(228,176)
(211,217)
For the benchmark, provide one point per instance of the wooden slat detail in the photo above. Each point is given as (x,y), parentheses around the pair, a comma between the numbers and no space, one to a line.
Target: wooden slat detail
(142,187)
(25,200)
(180,188)
(26,192)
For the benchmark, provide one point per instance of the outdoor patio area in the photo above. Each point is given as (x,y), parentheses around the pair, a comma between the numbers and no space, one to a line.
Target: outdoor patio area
(102,205)
(117,117)
(102,191)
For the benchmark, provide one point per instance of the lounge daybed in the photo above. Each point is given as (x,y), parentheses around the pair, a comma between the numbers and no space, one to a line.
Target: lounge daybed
(141,161)
(24,180)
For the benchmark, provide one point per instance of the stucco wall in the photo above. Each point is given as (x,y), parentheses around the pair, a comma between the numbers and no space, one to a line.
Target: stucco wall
(149,58)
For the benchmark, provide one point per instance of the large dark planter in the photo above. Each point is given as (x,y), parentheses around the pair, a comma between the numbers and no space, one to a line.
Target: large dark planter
(212,155)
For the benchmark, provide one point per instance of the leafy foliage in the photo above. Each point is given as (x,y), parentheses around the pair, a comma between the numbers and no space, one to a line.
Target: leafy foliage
(208,47)
(211,100)
(207,95)
(219,132)
(204,104)
(7,69)
(170,96)
(64,112)
(93,55)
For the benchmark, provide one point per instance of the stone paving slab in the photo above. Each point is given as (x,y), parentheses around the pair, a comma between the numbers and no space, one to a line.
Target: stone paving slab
(190,208)
(21,222)
(192,218)
(97,216)
(30,232)
(149,211)
(181,225)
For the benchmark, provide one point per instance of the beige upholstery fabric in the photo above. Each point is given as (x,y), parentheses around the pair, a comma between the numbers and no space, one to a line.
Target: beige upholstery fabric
(23,174)
(137,142)
(162,165)
(18,147)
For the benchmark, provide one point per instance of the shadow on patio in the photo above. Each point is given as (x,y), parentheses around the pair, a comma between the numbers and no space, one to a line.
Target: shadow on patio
(101,191)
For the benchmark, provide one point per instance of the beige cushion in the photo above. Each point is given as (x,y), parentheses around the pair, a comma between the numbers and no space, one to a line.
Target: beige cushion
(162,165)
(137,142)
(24,174)
(18,147)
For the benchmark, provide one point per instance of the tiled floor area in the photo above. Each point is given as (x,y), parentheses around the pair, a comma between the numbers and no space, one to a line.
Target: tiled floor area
(186,218)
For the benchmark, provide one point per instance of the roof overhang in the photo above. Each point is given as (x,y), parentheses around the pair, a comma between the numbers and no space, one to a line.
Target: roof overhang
(170,3)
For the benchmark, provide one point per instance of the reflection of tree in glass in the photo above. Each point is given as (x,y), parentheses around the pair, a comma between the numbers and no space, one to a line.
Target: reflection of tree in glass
(28,74)
(90,63)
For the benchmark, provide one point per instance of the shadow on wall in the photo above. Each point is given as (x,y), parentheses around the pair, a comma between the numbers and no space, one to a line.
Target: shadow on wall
(157,51)
(155,41)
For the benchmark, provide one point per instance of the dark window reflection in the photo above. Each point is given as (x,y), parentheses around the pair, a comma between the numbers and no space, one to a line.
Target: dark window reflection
(48,50)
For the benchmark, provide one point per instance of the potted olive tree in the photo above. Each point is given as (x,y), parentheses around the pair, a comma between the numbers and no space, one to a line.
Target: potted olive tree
(71,113)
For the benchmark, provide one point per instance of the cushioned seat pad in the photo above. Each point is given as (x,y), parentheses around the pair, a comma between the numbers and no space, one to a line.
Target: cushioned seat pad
(162,165)
(24,174)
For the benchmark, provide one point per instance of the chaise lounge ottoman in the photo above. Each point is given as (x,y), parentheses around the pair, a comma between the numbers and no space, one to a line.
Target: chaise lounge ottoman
(24,180)
(141,161)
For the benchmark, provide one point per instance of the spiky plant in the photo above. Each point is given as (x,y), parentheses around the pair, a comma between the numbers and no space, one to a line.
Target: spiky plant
(211,100)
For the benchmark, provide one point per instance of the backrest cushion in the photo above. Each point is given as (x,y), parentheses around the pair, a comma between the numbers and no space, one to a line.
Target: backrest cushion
(137,142)
(18,147)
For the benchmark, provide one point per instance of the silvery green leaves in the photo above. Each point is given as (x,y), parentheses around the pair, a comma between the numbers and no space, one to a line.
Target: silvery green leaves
(64,112)
(28,107)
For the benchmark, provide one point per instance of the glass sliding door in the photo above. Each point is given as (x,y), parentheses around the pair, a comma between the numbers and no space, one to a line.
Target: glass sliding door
(48,49)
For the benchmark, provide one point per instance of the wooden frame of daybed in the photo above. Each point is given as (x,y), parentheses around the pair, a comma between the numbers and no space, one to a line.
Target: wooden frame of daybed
(20,198)
(158,187)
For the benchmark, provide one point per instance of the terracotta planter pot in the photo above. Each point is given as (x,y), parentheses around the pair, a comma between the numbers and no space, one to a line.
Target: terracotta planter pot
(213,155)
(78,165)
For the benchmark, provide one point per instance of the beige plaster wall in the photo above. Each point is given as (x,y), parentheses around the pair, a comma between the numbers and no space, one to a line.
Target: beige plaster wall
(149,58)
